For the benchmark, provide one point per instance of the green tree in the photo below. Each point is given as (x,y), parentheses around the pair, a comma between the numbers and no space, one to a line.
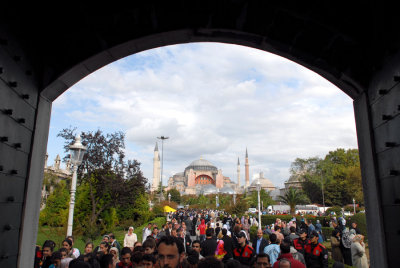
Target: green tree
(175,195)
(55,214)
(338,174)
(265,199)
(293,197)
(110,180)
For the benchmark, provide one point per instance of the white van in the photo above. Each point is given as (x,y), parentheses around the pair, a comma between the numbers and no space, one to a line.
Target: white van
(252,210)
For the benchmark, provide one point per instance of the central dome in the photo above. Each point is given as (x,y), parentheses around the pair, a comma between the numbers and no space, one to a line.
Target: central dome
(201,164)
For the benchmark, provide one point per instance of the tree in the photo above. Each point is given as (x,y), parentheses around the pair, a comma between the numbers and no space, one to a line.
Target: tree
(109,180)
(175,195)
(338,173)
(56,211)
(265,199)
(293,197)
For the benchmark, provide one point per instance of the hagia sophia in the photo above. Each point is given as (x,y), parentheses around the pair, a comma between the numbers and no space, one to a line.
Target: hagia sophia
(202,177)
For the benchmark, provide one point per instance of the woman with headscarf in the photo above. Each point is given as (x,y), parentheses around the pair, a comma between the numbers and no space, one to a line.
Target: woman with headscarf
(114,251)
(358,255)
(335,242)
(130,238)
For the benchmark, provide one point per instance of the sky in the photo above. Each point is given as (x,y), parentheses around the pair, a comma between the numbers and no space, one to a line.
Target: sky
(213,101)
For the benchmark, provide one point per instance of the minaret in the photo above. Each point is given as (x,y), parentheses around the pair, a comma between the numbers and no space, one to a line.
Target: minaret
(156,169)
(238,173)
(57,162)
(247,178)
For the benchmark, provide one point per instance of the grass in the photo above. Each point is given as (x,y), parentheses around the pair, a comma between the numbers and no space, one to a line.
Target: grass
(57,234)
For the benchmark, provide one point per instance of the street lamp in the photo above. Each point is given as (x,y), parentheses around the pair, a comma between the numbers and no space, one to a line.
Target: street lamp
(354,205)
(216,199)
(259,207)
(322,187)
(162,138)
(77,150)
(169,198)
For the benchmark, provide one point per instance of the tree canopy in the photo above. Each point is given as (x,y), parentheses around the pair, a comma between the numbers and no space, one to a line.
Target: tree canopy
(338,174)
(107,181)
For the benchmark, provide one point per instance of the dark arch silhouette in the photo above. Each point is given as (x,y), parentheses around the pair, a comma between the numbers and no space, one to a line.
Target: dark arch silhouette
(46,48)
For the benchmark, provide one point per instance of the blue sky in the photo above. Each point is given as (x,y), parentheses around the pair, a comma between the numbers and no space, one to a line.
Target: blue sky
(213,100)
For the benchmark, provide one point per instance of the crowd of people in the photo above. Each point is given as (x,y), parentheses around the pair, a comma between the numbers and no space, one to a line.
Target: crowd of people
(211,238)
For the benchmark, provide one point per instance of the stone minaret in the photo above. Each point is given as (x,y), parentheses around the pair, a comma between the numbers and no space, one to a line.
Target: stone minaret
(156,169)
(238,173)
(57,162)
(247,179)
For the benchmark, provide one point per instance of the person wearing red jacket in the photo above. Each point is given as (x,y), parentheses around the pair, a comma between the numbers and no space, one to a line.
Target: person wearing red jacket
(287,256)
(202,230)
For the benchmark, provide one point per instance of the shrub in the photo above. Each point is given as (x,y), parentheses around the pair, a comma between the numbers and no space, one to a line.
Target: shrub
(361,221)
(336,209)
(253,232)
(327,232)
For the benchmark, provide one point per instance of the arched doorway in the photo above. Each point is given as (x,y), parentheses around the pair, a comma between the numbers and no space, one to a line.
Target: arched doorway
(44,50)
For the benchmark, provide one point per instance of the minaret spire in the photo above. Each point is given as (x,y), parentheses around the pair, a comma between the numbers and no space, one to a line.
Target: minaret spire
(156,147)
(238,173)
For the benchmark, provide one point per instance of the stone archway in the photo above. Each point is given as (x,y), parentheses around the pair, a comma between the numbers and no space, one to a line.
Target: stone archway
(44,50)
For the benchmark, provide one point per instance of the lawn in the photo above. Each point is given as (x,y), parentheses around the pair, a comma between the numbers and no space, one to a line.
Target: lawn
(57,234)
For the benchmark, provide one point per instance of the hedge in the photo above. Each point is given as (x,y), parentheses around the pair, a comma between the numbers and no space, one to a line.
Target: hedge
(270,219)
(361,221)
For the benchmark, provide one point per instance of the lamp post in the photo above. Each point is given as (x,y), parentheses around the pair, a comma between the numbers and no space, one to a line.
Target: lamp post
(77,151)
(169,198)
(322,187)
(162,138)
(354,205)
(259,207)
(216,199)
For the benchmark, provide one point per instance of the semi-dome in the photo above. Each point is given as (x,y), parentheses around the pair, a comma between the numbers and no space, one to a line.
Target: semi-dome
(265,183)
(209,189)
(226,190)
(201,164)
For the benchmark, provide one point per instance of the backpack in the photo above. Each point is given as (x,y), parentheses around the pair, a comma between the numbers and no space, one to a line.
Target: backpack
(346,239)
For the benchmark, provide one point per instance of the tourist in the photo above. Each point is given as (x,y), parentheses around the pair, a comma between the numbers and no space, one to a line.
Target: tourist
(56,260)
(88,248)
(359,258)
(335,243)
(262,261)
(228,245)
(130,238)
(74,251)
(149,245)
(209,245)
(47,251)
(148,261)
(114,242)
(273,250)
(285,254)
(146,232)
(126,255)
(170,252)
(354,227)
(259,242)
(278,232)
(193,258)
(115,253)
(104,247)
(202,230)
(196,245)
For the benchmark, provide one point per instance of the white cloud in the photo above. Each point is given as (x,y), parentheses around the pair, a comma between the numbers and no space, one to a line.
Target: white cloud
(213,100)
